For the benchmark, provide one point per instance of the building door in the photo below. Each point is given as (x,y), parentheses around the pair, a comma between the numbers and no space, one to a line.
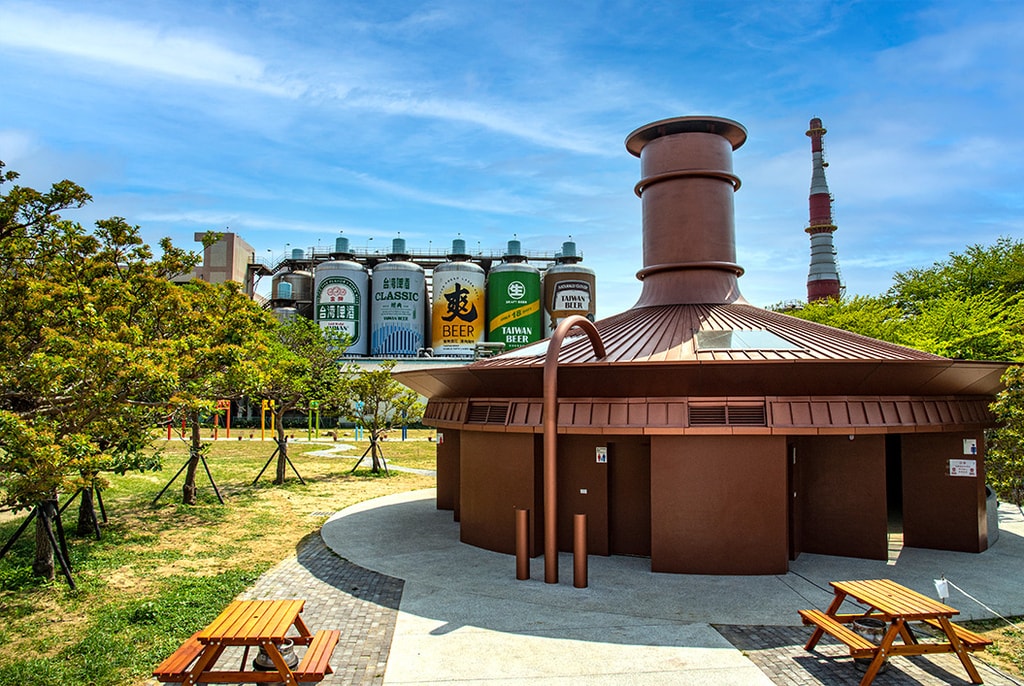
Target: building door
(894,493)
(629,496)
(793,508)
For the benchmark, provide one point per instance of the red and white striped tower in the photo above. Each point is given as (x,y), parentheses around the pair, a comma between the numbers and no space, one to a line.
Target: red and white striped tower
(823,277)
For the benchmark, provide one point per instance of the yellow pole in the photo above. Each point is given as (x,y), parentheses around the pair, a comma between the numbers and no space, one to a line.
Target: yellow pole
(263,420)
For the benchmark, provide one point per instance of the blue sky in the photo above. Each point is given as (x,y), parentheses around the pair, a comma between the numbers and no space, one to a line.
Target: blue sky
(289,122)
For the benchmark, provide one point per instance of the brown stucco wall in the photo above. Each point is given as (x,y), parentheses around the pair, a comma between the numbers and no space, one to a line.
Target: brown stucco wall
(941,511)
(449,447)
(498,473)
(840,486)
(718,504)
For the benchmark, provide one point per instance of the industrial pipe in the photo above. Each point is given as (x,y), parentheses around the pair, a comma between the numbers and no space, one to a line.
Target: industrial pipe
(551,434)
(579,551)
(522,544)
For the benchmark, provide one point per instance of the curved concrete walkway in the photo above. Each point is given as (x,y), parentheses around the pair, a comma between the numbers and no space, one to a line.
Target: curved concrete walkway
(463,618)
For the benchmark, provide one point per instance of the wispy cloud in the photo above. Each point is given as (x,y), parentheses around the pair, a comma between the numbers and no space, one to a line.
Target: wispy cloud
(139,46)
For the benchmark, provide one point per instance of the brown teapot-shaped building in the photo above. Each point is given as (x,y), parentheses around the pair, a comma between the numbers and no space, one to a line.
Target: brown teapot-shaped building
(713,436)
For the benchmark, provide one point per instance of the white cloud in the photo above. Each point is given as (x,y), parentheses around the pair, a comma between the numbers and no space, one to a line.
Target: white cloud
(137,45)
(500,119)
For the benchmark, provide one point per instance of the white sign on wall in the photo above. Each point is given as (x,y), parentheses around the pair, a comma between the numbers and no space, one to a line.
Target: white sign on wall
(602,454)
(963,468)
(970,446)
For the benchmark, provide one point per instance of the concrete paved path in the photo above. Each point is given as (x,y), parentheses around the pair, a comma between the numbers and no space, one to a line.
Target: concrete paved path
(465,619)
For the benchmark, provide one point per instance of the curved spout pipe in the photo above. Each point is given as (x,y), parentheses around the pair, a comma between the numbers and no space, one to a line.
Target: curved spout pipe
(551,435)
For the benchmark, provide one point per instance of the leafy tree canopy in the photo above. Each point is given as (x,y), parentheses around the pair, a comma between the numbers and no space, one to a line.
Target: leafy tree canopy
(292,364)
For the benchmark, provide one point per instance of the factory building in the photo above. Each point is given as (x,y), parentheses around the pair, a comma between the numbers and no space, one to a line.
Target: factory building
(712,436)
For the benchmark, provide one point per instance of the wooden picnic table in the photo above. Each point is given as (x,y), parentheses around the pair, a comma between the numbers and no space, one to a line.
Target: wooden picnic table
(895,605)
(263,624)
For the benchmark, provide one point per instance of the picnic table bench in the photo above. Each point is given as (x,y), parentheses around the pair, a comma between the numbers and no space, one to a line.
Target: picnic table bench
(895,606)
(252,623)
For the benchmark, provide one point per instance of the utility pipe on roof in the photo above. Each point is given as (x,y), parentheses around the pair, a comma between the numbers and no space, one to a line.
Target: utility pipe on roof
(551,434)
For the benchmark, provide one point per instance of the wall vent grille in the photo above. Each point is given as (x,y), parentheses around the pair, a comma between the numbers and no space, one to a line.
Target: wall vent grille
(728,415)
(488,413)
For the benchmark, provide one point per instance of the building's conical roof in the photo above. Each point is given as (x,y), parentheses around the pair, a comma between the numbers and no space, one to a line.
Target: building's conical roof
(692,333)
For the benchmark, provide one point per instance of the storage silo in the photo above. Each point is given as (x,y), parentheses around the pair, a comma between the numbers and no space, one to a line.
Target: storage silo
(397,316)
(569,288)
(301,283)
(342,299)
(283,293)
(458,312)
(513,301)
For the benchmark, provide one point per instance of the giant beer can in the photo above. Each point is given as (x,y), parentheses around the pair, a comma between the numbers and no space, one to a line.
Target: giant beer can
(398,309)
(569,289)
(513,305)
(342,302)
(459,318)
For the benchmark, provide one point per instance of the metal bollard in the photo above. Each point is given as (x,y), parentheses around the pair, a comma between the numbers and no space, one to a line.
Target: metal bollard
(522,544)
(579,551)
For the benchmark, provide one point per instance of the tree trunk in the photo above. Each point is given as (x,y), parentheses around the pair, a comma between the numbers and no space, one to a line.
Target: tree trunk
(282,449)
(43,563)
(188,490)
(374,454)
(87,522)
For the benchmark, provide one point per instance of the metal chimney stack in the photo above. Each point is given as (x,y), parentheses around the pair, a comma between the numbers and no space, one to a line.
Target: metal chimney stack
(823,276)
(687,188)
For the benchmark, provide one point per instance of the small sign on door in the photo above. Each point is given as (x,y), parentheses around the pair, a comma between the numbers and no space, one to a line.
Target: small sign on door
(602,454)
(963,468)
(970,446)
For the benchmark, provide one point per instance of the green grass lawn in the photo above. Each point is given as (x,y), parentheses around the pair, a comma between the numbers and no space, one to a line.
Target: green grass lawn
(160,572)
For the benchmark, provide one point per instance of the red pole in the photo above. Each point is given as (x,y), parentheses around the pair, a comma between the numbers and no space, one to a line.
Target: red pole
(579,551)
(522,544)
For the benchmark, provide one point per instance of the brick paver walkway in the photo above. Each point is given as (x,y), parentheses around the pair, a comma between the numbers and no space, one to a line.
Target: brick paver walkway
(779,652)
(339,595)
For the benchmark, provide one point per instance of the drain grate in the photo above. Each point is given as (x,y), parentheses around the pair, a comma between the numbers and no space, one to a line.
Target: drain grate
(321,513)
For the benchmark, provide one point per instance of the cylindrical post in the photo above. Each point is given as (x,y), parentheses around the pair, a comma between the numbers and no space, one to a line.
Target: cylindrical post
(579,551)
(522,544)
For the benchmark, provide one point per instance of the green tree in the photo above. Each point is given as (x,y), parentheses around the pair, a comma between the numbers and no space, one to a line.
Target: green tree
(292,364)
(869,316)
(1005,464)
(214,327)
(81,375)
(979,269)
(379,402)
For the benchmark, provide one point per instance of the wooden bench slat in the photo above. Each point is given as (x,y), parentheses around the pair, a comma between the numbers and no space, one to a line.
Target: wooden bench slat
(177,663)
(314,665)
(971,640)
(859,646)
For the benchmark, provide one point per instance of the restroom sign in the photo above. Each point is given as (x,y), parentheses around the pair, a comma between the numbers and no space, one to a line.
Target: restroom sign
(963,468)
(602,454)
(970,446)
